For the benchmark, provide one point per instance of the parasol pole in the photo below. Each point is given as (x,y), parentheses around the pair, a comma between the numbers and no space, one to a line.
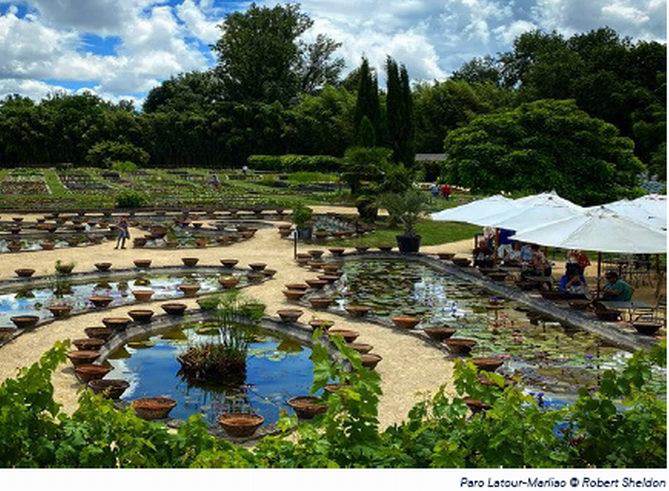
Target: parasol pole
(599,271)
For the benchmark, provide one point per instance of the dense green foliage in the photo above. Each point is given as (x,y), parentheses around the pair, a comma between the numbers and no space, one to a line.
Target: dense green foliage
(294,163)
(543,145)
(367,118)
(262,59)
(439,432)
(400,114)
(105,153)
(130,199)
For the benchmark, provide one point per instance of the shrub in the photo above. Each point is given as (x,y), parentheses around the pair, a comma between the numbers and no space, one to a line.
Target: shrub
(301,215)
(294,163)
(131,199)
(105,153)
(125,166)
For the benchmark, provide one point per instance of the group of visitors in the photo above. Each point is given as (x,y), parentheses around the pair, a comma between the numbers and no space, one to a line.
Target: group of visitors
(444,190)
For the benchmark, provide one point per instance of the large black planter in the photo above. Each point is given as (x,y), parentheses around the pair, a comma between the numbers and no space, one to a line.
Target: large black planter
(408,244)
(304,233)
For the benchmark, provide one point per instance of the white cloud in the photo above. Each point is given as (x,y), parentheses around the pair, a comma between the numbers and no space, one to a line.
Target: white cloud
(35,89)
(156,38)
(192,13)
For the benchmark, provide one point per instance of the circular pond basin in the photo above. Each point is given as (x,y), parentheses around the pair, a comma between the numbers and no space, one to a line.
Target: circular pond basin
(277,369)
(36,300)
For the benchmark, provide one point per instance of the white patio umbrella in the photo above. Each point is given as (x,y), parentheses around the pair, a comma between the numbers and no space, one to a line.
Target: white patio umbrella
(476,210)
(600,230)
(650,210)
(534,211)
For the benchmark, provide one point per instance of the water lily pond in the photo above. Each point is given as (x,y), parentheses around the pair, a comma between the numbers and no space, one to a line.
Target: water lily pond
(35,301)
(549,357)
(277,369)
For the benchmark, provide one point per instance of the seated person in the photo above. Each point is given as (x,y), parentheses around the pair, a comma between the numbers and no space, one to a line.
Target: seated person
(504,244)
(483,254)
(526,253)
(571,285)
(616,290)
(512,257)
(538,266)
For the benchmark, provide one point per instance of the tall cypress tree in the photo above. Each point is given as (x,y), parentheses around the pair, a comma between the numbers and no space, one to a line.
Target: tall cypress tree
(367,105)
(399,113)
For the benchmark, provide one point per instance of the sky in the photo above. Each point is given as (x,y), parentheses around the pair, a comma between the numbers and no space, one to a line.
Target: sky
(120,49)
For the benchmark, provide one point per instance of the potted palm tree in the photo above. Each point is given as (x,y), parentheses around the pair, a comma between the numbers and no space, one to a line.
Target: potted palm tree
(406,209)
(302,219)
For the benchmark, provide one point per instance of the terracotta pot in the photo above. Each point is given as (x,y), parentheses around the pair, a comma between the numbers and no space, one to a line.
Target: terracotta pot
(24,272)
(88,344)
(476,406)
(446,256)
(461,261)
(14,247)
(348,334)
(103,333)
(370,360)
(337,251)
(239,425)
(47,246)
(171,244)
(269,273)
(320,302)
(296,286)
(228,281)
(189,289)
(289,315)
(385,248)
(103,266)
(143,295)
(405,321)
(294,295)
(142,316)
(358,310)
(151,408)
(460,346)
(324,324)
(116,323)
(85,357)
(316,284)
(439,333)
(316,254)
(86,373)
(174,308)
(229,263)
(647,328)
(257,266)
(222,240)
(255,277)
(197,225)
(142,263)
(190,261)
(65,268)
(139,242)
(7,332)
(17,219)
(100,301)
(59,311)
(330,278)
(284,226)
(331,268)
(308,406)
(361,348)
(284,233)
(201,243)
(321,234)
(487,364)
(361,249)
(315,265)
(109,388)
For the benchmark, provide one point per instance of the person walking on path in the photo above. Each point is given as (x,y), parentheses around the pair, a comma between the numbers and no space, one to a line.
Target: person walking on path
(123,233)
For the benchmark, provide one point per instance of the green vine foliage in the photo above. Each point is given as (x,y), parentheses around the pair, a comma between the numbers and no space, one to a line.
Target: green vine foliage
(620,424)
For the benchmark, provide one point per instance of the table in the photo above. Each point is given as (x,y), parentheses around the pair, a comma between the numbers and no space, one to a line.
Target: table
(629,306)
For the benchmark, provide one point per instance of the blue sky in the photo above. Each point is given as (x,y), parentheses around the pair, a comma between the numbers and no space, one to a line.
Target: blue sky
(122,48)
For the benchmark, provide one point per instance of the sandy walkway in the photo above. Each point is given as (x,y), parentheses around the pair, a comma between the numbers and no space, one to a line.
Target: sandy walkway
(409,366)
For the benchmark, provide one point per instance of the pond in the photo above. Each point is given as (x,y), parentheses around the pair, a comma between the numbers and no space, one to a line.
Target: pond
(549,357)
(277,369)
(35,301)
(34,244)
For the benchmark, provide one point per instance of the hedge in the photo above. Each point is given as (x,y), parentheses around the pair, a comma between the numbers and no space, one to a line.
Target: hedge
(293,163)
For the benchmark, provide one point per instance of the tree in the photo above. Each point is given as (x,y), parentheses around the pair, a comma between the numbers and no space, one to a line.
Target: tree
(193,91)
(479,70)
(399,113)
(261,57)
(367,103)
(540,146)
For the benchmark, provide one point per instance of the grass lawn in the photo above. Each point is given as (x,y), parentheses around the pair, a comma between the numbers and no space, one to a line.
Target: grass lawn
(432,233)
